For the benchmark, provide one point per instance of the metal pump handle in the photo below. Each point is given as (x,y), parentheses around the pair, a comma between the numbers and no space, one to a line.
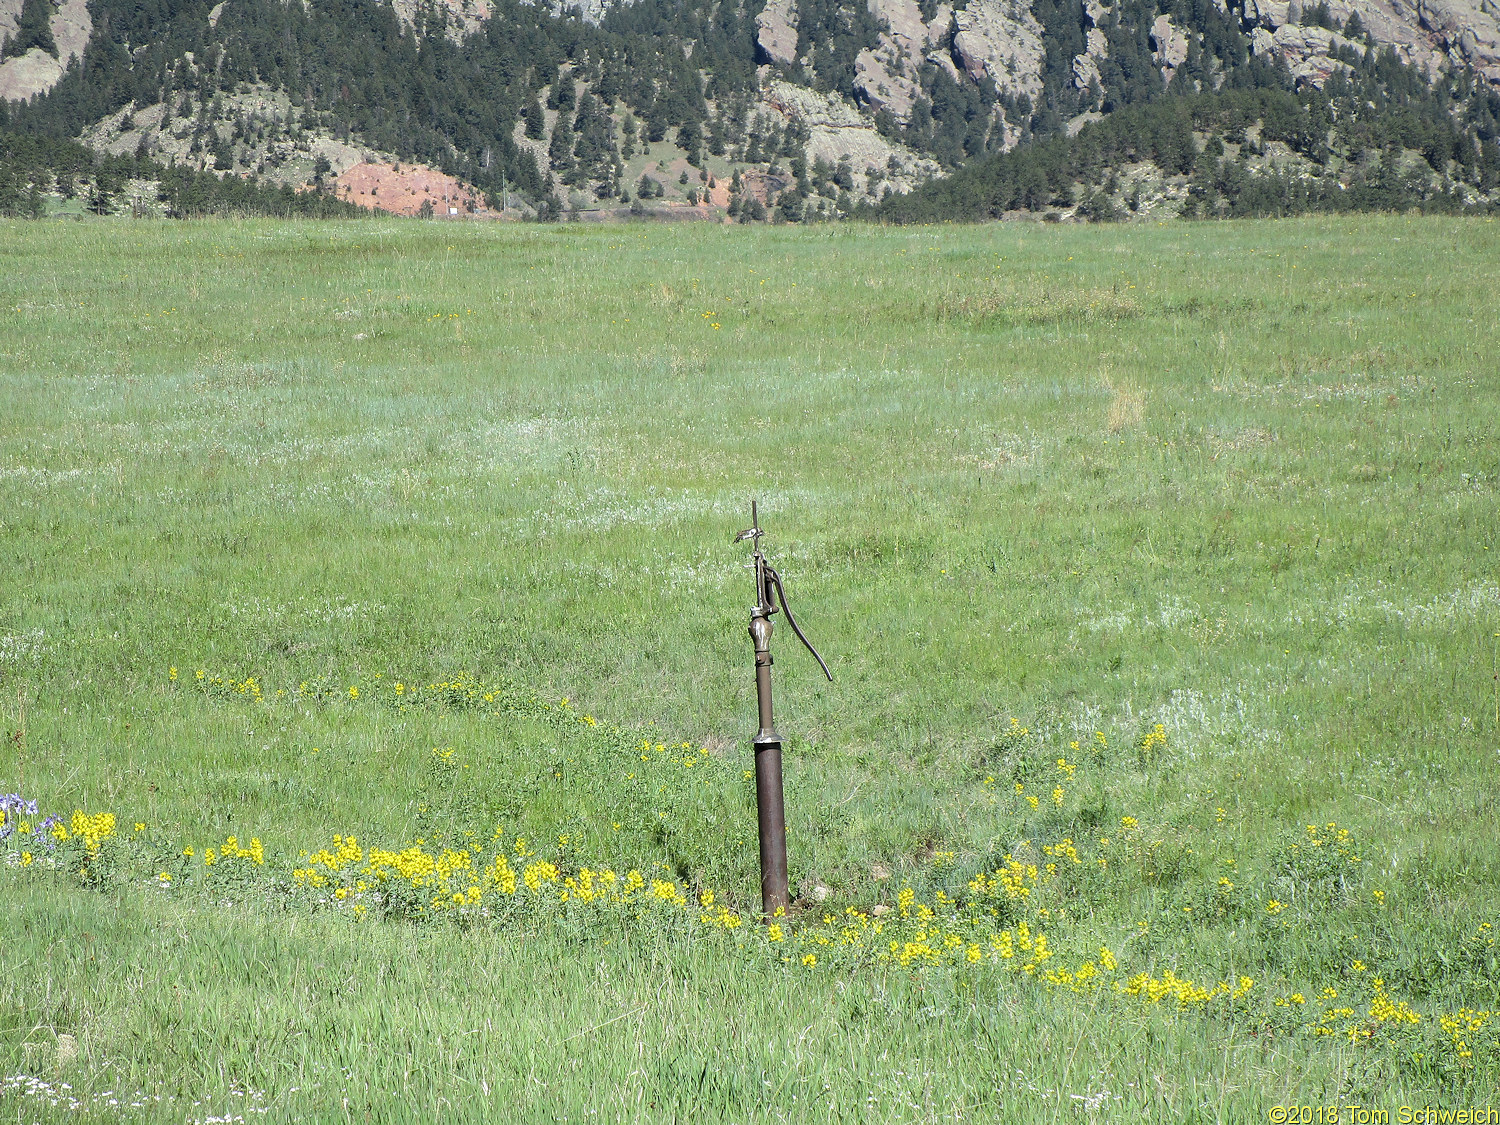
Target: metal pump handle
(766,580)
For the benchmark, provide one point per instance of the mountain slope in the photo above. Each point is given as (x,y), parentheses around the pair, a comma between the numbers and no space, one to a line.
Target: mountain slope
(1374,133)
(789,108)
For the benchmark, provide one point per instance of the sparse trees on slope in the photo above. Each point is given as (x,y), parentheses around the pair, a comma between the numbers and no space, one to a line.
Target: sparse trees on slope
(33,29)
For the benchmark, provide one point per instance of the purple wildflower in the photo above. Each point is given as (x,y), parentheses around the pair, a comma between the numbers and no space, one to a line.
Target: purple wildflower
(44,830)
(11,804)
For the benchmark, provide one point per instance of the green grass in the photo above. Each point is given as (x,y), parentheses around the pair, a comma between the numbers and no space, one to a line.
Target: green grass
(1241,480)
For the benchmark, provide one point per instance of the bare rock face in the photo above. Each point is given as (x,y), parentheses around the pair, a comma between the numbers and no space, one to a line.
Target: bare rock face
(464,16)
(71,27)
(1170,45)
(885,77)
(838,132)
(1381,18)
(776,31)
(1086,65)
(36,71)
(1001,39)
(1307,50)
(1269,14)
(10,16)
(1085,70)
(30,74)
(1469,29)
(1096,47)
(1424,33)
(903,21)
(880,88)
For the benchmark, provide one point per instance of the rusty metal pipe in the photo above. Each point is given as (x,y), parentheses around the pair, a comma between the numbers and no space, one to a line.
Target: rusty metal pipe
(770,801)
(775,892)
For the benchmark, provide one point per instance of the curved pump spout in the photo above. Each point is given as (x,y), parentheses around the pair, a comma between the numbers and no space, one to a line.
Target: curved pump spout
(770,593)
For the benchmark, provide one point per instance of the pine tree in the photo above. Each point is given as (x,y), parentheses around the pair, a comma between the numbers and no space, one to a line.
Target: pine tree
(560,148)
(563,97)
(222,151)
(595,131)
(536,120)
(33,29)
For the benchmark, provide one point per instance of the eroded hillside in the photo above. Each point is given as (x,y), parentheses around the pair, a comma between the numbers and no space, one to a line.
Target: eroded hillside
(792,109)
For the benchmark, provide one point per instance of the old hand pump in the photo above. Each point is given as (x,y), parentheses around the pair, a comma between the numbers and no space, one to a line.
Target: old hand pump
(770,599)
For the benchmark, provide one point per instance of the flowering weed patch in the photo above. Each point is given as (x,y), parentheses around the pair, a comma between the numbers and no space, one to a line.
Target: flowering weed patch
(1032,921)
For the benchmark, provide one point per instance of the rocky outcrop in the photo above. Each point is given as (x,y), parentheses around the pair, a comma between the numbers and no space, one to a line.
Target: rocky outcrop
(464,16)
(1096,47)
(881,85)
(37,71)
(285,153)
(30,74)
(1307,51)
(1468,29)
(1425,33)
(1169,45)
(885,76)
(839,133)
(776,32)
(1003,40)
(1086,70)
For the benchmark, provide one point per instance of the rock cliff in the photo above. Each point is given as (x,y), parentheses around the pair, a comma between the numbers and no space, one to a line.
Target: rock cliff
(1001,39)
(464,16)
(1308,51)
(885,77)
(1170,46)
(37,71)
(1096,47)
(1426,33)
(776,31)
(840,133)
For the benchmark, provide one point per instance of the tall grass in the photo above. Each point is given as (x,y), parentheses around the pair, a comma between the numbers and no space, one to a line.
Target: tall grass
(1237,479)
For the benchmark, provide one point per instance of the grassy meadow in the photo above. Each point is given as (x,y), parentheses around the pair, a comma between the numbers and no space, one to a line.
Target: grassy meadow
(1156,567)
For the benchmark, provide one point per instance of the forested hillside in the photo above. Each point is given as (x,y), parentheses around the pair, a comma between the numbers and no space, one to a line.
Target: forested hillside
(793,110)
(1376,137)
